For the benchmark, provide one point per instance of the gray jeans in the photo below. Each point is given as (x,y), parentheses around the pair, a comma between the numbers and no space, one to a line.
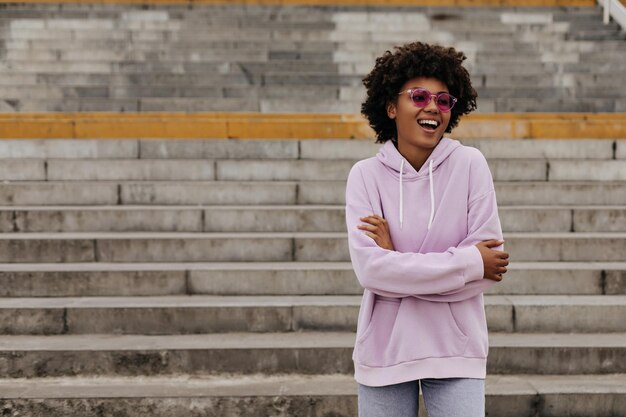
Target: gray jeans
(448,397)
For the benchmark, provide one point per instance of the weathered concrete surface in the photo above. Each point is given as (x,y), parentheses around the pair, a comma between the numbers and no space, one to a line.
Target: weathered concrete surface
(214,314)
(508,396)
(313,353)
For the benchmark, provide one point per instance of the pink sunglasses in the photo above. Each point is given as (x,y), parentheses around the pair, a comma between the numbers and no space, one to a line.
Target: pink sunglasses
(421,97)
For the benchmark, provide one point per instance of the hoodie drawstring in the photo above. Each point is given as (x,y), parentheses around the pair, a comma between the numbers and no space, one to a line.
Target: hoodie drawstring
(401,199)
(432,194)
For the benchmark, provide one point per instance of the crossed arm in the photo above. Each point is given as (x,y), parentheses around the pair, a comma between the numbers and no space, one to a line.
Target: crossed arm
(457,274)
(494,261)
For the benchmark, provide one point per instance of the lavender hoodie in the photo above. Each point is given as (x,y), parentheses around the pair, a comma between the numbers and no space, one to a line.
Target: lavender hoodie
(422,313)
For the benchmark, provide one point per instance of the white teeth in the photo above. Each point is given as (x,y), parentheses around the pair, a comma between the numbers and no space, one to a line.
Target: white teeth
(432,123)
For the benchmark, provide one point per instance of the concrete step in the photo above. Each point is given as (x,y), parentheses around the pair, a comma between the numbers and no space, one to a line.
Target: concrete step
(558,80)
(17,92)
(309,149)
(290,170)
(134,170)
(286,105)
(511,91)
(74,49)
(488,46)
(549,193)
(170,55)
(315,396)
(502,170)
(74,67)
(269,247)
(152,149)
(46,193)
(587,170)
(219,314)
(124,44)
(491,149)
(492,46)
(283,353)
(234,77)
(275,96)
(277,278)
(291,218)
(77,46)
(585,67)
(76,105)
(241,89)
(112,193)
(514,104)
(348,149)
(222,170)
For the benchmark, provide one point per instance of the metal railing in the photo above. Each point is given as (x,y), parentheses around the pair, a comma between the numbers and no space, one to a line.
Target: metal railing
(614,9)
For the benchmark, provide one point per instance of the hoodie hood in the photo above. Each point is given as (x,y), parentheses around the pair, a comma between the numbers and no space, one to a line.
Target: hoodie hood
(398,166)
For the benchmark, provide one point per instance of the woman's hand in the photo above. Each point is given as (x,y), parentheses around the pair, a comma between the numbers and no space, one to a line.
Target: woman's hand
(378,229)
(495,261)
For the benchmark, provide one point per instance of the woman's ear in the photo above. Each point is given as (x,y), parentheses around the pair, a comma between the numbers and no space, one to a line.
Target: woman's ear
(391,110)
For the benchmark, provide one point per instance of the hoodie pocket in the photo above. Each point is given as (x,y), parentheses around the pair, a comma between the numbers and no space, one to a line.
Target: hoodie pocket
(412,330)
(383,314)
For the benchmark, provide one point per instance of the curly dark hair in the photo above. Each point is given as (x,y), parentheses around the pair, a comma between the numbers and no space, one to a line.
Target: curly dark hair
(412,60)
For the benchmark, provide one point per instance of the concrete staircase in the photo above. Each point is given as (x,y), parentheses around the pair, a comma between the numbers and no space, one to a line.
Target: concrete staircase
(77,57)
(189,278)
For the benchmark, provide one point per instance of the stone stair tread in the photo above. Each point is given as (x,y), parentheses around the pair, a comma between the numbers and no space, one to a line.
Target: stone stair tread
(158,207)
(304,235)
(108,342)
(158,182)
(293,182)
(178,301)
(195,266)
(173,235)
(497,339)
(280,385)
(212,301)
(277,218)
(265,266)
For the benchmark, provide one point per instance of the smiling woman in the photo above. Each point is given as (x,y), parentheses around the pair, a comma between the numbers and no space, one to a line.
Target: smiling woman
(423,234)
(393,71)
(420,124)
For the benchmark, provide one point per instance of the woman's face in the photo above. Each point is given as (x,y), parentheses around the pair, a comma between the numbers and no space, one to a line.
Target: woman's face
(409,118)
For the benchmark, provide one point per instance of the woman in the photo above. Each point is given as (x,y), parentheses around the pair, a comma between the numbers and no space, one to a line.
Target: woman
(423,233)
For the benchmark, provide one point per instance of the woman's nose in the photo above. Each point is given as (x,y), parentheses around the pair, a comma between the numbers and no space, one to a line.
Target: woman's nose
(432,105)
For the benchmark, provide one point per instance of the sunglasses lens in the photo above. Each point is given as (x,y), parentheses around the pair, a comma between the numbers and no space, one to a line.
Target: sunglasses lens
(420,97)
(445,102)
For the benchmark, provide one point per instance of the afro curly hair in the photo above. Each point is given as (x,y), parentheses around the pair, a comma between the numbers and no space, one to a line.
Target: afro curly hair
(417,59)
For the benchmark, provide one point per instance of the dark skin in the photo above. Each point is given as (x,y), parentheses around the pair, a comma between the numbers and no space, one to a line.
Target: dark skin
(494,261)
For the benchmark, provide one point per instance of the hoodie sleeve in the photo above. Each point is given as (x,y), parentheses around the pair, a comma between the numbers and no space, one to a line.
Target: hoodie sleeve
(483,223)
(395,274)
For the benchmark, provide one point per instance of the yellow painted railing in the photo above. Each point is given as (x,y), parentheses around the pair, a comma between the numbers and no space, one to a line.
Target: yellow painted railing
(297,125)
(459,3)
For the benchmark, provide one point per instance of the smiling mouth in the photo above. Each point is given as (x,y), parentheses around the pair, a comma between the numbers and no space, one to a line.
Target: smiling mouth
(428,125)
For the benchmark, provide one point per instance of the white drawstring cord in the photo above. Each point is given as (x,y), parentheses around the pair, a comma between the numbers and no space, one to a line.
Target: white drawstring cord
(401,203)
(432,194)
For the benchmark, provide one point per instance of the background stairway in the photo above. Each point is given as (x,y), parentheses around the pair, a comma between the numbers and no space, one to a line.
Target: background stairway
(77,57)
(212,277)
